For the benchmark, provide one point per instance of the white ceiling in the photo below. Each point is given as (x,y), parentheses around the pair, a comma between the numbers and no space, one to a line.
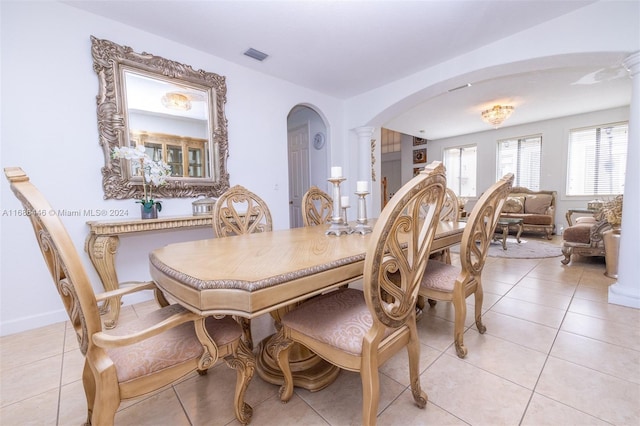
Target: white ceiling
(344,48)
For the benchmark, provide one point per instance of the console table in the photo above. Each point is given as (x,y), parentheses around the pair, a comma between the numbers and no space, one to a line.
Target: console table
(102,245)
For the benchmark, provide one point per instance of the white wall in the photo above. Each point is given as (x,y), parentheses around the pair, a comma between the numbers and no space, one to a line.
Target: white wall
(555,146)
(49,129)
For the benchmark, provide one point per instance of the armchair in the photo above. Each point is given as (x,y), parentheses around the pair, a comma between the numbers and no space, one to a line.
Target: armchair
(585,237)
(140,356)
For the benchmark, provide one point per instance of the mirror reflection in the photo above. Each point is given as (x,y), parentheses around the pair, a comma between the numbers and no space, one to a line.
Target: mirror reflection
(171,121)
(174,111)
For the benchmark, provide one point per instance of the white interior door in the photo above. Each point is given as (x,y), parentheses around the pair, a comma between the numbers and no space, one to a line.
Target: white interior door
(298,145)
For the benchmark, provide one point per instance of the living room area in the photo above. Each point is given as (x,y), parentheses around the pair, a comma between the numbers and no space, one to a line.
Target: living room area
(562,341)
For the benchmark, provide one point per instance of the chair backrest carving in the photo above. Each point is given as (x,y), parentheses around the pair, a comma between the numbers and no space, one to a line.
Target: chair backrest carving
(481,225)
(450,207)
(400,246)
(239,211)
(317,207)
(61,257)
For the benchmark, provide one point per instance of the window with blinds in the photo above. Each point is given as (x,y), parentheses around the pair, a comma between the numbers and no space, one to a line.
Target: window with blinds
(597,160)
(390,141)
(521,157)
(460,163)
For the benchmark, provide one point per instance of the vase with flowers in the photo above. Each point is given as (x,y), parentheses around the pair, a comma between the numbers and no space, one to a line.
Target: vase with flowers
(612,212)
(154,173)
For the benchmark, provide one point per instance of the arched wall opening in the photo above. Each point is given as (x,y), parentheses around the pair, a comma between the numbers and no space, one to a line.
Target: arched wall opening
(308,148)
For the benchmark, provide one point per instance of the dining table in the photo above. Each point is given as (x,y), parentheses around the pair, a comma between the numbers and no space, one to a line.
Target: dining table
(270,272)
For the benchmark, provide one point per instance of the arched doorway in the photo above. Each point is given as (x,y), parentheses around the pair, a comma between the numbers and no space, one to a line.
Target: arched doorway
(307,147)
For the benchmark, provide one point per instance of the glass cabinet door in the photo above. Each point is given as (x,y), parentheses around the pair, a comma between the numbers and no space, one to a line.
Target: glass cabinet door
(174,160)
(195,162)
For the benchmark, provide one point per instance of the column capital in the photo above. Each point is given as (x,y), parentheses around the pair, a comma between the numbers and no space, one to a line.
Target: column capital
(364,131)
(632,64)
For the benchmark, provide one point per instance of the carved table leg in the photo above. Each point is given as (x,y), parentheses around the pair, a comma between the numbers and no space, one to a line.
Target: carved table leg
(309,370)
(102,250)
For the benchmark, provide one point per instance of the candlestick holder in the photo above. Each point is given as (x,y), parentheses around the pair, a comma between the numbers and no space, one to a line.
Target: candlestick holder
(344,215)
(339,225)
(362,227)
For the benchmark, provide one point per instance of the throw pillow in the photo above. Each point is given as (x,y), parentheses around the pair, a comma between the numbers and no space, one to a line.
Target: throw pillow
(513,205)
(537,204)
(586,219)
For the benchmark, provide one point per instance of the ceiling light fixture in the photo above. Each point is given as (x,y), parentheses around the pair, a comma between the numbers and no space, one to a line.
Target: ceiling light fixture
(173,100)
(496,115)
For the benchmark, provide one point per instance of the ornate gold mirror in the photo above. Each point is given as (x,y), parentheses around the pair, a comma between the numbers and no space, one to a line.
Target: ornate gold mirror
(175,112)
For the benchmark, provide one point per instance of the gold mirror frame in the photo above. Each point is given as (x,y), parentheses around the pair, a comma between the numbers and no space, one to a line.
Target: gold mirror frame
(110,60)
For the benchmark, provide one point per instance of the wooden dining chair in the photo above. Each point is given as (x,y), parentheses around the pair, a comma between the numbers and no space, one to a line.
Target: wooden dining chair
(317,207)
(239,211)
(139,356)
(450,213)
(450,207)
(445,282)
(360,330)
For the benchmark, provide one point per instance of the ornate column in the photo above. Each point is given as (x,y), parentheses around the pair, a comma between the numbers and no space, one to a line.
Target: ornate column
(627,290)
(365,134)
(364,152)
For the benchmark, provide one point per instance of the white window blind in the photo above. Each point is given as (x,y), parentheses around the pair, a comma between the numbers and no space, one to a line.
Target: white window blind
(597,160)
(460,163)
(521,157)
(390,141)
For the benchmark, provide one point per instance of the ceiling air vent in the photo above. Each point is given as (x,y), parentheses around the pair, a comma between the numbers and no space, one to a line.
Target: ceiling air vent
(256,54)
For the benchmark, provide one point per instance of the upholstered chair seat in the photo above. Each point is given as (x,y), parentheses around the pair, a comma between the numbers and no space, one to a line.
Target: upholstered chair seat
(440,276)
(176,346)
(344,315)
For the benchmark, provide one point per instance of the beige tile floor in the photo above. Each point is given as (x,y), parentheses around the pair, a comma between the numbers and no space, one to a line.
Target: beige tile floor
(555,353)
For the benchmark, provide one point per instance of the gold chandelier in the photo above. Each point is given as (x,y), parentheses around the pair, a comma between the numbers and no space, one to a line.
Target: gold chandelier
(496,115)
(173,100)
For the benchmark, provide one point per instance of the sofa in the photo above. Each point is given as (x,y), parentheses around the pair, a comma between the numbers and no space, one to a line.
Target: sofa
(536,209)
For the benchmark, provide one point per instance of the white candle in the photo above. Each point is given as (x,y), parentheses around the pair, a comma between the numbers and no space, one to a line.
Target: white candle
(344,201)
(336,172)
(362,186)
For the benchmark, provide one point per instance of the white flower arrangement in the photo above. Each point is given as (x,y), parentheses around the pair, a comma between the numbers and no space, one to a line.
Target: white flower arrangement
(154,173)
